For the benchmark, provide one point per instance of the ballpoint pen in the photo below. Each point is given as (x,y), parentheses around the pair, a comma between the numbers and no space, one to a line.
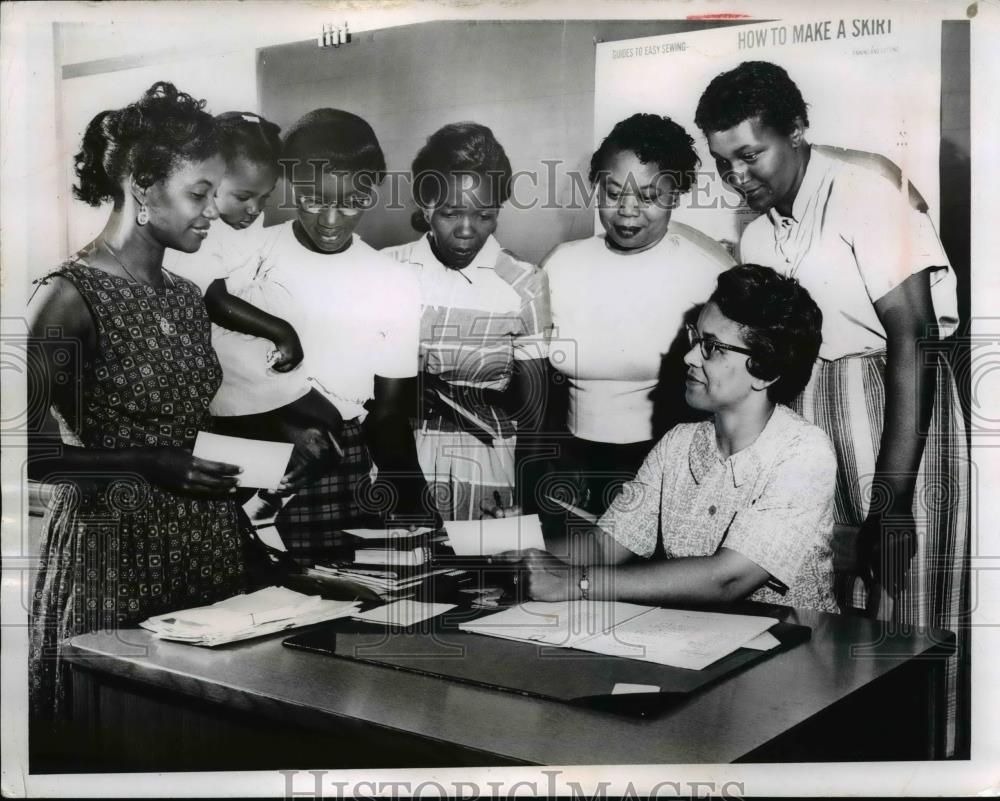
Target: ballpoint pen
(335,444)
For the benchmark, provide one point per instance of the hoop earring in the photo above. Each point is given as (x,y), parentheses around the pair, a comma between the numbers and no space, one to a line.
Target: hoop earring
(143,216)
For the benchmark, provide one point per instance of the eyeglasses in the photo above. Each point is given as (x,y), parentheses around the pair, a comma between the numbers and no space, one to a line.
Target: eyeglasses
(350,206)
(615,198)
(708,345)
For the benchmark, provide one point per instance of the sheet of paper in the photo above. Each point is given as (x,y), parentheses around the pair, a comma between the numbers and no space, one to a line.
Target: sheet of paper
(576,510)
(262,606)
(762,642)
(387,533)
(621,688)
(403,613)
(679,637)
(495,535)
(566,624)
(263,463)
(327,610)
(241,617)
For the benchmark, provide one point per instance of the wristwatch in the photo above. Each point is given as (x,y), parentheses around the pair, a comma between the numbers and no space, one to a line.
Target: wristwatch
(584,584)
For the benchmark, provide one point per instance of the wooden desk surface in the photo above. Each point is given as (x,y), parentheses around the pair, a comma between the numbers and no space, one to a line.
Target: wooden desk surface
(720,724)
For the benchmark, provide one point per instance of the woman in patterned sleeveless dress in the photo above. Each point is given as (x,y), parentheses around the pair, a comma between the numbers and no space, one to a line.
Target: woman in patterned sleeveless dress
(137,526)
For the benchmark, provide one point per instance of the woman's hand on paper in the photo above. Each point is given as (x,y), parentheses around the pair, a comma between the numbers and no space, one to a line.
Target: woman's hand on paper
(179,470)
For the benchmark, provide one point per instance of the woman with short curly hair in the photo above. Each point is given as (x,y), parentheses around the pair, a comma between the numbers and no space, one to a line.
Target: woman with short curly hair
(138,525)
(741,504)
(618,303)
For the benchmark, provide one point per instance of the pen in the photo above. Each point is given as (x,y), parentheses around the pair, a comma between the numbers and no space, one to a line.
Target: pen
(496,497)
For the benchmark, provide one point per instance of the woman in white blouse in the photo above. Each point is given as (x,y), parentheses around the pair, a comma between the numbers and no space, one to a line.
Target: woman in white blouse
(619,300)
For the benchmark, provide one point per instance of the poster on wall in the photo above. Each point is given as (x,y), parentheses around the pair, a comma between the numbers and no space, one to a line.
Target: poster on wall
(872,84)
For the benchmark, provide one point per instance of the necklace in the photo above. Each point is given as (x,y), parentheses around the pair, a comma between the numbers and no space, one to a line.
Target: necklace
(166,326)
(128,272)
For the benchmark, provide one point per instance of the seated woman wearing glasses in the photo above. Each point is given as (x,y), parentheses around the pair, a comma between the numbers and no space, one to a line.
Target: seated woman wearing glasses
(358,316)
(744,500)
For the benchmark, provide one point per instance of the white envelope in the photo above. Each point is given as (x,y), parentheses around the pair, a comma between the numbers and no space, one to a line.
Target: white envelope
(264,463)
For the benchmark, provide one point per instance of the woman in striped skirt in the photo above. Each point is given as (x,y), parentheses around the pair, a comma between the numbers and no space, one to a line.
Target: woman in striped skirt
(853,233)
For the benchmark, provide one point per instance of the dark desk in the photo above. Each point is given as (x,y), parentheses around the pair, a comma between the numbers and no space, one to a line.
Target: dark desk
(853,692)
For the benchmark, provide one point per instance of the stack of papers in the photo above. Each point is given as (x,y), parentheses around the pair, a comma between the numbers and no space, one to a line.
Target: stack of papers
(393,547)
(675,637)
(386,581)
(397,534)
(681,638)
(392,557)
(245,616)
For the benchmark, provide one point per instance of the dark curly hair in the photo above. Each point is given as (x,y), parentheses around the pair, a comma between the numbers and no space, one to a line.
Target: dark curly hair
(462,148)
(146,139)
(335,141)
(781,325)
(753,90)
(654,140)
(246,135)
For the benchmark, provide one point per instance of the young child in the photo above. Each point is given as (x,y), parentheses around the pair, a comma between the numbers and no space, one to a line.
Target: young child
(260,397)
(358,315)
(251,147)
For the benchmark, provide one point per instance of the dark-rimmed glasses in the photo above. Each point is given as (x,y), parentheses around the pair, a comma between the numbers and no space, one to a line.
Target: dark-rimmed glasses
(708,345)
(350,206)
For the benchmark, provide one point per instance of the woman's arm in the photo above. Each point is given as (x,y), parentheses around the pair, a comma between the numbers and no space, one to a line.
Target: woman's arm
(58,318)
(725,576)
(390,439)
(887,538)
(587,545)
(236,314)
(770,535)
(529,389)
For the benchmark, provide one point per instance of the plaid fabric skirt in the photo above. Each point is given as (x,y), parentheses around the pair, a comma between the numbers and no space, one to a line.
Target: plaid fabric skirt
(846,398)
(344,496)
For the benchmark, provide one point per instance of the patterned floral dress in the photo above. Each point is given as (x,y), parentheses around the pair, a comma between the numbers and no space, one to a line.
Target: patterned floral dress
(115,553)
